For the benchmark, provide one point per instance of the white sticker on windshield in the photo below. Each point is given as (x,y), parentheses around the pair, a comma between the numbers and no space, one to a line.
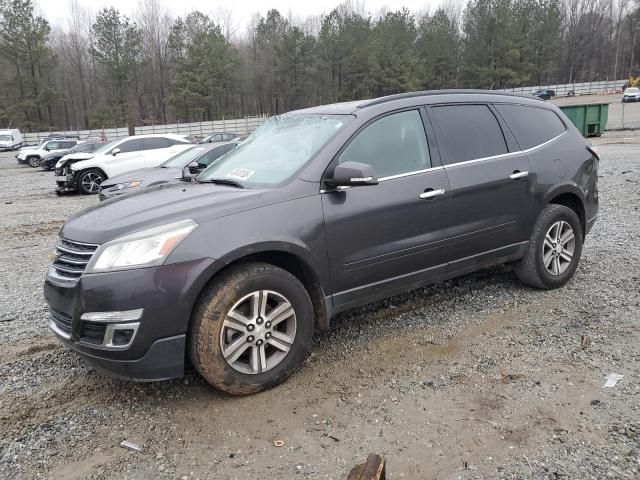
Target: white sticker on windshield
(240,173)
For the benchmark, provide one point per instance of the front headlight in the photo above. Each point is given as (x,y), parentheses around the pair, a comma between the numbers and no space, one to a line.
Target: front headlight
(122,186)
(146,248)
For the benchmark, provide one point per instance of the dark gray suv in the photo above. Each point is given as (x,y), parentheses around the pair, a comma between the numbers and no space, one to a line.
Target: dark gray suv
(319,211)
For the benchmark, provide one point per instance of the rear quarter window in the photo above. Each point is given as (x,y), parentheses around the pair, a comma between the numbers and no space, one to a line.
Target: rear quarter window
(531,126)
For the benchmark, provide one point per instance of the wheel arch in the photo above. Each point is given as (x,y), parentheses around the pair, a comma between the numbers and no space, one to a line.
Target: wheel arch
(570,197)
(288,259)
(81,171)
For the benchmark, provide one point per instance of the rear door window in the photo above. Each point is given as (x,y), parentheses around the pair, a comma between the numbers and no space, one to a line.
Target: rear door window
(134,145)
(392,145)
(155,143)
(531,126)
(468,132)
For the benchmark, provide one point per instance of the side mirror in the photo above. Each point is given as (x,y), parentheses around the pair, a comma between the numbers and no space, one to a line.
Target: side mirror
(115,151)
(190,171)
(353,174)
(194,168)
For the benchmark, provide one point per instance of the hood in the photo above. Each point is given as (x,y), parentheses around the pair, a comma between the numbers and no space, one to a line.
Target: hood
(29,149)
(156,206)
(73,158)
(148,176)
(58,154)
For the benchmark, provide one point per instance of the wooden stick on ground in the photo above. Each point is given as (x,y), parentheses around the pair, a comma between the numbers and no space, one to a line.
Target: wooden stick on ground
(373,469)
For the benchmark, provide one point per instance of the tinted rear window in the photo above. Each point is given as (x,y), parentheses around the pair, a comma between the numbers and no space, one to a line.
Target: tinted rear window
(530,125)
(468,132)
(153,143)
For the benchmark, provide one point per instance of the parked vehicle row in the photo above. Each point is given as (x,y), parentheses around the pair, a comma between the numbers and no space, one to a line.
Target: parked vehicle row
(181,167)
(75,173)
(83,165)
(318,211)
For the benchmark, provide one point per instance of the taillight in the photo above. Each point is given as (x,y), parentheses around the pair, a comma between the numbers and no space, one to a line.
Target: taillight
(593,151)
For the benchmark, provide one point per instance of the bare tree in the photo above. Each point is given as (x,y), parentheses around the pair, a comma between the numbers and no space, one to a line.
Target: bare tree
(155,23)
(72,44)
(225,19)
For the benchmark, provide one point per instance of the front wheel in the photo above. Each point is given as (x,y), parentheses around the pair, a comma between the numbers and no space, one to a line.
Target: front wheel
(89,181)
(34,162)
(554,249)
(251,328)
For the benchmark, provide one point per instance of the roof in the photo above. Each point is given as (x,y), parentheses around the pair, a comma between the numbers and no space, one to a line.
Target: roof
(353,106)
(157,135)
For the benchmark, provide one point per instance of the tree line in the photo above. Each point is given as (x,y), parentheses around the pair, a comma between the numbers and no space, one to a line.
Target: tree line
(105,70)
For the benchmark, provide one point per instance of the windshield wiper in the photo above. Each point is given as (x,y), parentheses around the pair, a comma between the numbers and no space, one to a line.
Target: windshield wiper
(222,181)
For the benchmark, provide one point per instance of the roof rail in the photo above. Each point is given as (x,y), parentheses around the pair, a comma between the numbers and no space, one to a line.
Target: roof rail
(424,93)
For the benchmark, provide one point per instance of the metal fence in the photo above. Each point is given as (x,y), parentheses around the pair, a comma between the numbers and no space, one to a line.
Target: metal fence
(605,87)
(240,126)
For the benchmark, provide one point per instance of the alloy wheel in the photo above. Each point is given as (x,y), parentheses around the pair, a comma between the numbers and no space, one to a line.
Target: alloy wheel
(258,332)
(559,247)
(91,182)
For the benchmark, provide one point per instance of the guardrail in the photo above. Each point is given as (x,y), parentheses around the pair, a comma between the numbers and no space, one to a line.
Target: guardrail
(240,126)
(605,87)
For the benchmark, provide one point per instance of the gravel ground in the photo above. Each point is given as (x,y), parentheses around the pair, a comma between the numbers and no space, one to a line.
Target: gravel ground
(474,378)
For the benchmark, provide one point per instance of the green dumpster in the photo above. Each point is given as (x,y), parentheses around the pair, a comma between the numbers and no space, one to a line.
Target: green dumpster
(589,118)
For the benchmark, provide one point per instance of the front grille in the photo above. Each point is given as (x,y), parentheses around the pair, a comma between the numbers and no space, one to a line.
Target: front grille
(62,320)
(93,332)
(72,258)
(59,172)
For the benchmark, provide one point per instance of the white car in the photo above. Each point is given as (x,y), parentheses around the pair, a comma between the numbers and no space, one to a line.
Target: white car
(76,173)
(33,155)
(631,94)
(10,139)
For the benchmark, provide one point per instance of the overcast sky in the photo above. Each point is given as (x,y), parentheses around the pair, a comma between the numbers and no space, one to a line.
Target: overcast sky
(55,10)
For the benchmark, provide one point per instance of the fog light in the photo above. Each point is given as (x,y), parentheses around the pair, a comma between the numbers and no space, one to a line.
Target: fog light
(122,337)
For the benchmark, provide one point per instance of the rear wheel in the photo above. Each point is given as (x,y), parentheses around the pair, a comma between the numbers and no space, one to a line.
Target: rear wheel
(251,329)
(89,181)
(33,161)
(554,249)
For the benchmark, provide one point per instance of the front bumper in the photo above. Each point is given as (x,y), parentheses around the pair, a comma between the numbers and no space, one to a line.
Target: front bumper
(166,294)
(65,180)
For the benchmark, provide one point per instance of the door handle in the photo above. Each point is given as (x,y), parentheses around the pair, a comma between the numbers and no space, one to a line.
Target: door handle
(518,174)
(431,193)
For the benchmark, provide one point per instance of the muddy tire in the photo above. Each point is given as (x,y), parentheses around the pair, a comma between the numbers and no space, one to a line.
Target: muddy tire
(89,181)
(33,162)
(554,249)
(251,328)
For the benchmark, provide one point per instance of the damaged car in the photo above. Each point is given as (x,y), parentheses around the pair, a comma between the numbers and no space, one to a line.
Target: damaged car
(182,167)
(85,175)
